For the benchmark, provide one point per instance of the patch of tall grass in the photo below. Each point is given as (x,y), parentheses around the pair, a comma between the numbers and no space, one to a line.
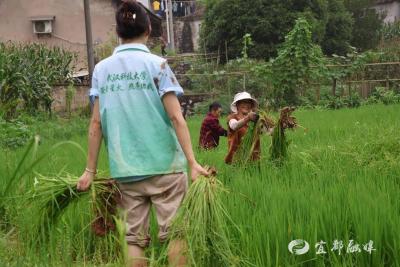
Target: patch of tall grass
(340,182)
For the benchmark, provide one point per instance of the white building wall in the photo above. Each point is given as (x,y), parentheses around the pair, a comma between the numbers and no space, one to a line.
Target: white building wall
(391,10)
(146,3)
(195,25)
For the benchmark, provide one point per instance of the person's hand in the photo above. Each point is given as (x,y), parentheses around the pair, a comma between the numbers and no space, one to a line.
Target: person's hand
(85,181)
(196,170)
(252,116)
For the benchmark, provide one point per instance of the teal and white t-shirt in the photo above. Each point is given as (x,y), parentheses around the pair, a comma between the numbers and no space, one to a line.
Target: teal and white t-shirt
(138,133)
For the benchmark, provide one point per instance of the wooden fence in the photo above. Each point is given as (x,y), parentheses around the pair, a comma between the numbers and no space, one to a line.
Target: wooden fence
(363,81)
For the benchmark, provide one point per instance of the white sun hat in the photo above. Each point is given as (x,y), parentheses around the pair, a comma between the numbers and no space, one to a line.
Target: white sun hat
(242,96)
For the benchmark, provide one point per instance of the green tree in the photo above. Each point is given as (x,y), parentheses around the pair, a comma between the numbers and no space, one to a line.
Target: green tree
(367,24)
(299,62)
(338,29)
(268,21)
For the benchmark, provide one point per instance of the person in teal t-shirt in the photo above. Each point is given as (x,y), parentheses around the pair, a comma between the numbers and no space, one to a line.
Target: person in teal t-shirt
(137,112)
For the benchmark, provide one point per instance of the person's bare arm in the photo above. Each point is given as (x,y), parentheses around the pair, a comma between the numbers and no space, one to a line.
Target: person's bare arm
(95,137)
(237,124)
(173,109)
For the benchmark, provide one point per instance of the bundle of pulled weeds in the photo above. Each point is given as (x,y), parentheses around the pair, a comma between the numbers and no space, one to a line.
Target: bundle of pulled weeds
(268,124)
(204,224)
(53,195)
(279,144)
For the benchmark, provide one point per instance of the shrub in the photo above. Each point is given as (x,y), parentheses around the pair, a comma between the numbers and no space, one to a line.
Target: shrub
(14,134)
(333,102)
(387,97)
(352,101)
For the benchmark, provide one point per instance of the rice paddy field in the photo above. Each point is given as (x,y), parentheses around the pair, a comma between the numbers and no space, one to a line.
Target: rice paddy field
(338,191)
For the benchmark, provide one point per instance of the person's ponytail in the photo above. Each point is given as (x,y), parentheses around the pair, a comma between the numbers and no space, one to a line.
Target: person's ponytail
(132,20)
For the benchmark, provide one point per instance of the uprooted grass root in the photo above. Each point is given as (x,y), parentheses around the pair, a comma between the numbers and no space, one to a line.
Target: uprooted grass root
(53,195)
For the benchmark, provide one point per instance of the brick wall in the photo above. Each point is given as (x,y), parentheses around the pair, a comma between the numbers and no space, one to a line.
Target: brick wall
(80,99)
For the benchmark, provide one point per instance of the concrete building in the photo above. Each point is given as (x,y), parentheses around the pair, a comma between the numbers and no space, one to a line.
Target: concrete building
(187,32)
(61,23)
(389,8)
(187,17)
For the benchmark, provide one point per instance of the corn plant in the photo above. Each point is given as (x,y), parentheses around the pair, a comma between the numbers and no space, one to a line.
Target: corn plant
(27,72)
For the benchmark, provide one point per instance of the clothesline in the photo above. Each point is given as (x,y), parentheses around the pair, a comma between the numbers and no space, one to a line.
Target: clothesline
(182,7)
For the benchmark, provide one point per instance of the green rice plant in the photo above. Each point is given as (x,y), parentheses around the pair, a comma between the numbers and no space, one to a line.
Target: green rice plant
(9,183)
(85,226)
(202,222)
(53,195)
(244,154)
(27,164)
(247,143)
(121,244)
(342,182)
(279,144)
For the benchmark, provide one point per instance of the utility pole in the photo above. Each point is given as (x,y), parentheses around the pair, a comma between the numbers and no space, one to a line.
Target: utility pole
(89,40)
(170,25)
(167,21)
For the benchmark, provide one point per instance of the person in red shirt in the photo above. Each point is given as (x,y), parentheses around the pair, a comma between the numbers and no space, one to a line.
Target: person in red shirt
(211,130)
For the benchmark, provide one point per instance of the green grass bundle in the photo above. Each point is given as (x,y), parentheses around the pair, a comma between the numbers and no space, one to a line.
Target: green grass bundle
(53,195)
(279,144)
(202,222)
(247,144)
